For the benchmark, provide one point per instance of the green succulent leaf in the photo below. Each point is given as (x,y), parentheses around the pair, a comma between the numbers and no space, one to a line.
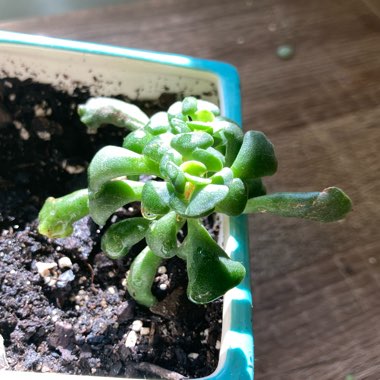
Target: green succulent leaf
(98,111)
(161,236)
(197,125)
(255,187)
(158,147)
(111,196)
(326,206)
(210,157)
(205,116)
(122,236)
(141,276)
(185,143)
(204,105)
(211,272)
(223,177)
(234,136)
(137,140)
(256,157)
(235,201)
(112,162)
(204,199)
(179,126)
(194,168)
(155,198)
(189,106)
(175,112)
(57,215)
(176,177)
(158,123)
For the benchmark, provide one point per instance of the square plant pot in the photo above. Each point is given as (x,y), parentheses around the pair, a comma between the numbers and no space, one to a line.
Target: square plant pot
(66,64)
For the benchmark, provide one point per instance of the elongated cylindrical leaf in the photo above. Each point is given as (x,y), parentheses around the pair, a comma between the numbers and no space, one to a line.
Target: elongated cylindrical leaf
(101,110)
(141,276)
(211,272)
(256,157)
(113,162)
(111,196)
(57,215)
(122,236)
(326,206)
(161,236)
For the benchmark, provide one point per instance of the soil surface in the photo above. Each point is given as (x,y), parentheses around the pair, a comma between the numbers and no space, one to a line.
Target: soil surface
(63,304)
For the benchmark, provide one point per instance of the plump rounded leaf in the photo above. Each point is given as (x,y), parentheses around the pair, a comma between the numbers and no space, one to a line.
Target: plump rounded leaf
(204,199)
(141,276)
(194,168)
(136,140)
(185,143)
(161,236)
(204,105)
(179,126)
(211,272)
(57,215)
(326,206)
(176,176)
(158,147)
(204,115)
(175,112)
(98,111)
(235,201)
(155,198)
(210,157)
(122,236)
(112,162)
(256,157)
(234,136)
(158,123)
(223,177)
(189,105)
(196,125)
(195,180)
(111,196)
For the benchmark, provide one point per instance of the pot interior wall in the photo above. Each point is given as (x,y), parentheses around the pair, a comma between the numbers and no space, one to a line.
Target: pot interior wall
(105,75)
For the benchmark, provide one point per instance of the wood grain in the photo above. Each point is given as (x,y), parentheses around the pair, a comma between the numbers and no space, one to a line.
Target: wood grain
(316,287)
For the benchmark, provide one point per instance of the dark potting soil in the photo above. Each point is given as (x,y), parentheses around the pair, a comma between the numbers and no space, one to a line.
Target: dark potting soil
(63,303)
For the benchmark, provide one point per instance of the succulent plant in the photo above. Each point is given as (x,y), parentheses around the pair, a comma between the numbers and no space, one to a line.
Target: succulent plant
(197,162)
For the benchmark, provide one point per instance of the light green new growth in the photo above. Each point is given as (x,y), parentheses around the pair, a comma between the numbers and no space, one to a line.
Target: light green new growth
(204,164)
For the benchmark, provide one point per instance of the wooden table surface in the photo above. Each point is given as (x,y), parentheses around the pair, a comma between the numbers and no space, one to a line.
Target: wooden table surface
(316,287)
